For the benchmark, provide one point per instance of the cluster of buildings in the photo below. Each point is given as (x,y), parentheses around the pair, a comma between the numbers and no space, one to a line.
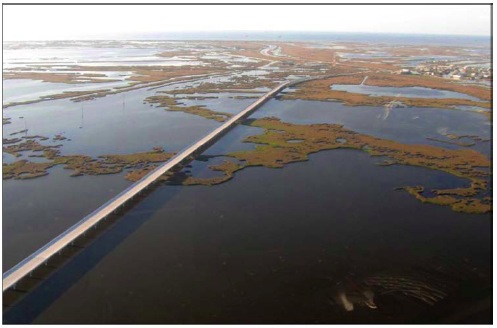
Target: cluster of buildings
(452,71)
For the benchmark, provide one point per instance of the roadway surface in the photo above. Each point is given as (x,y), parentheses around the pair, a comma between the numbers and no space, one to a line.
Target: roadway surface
(25,267)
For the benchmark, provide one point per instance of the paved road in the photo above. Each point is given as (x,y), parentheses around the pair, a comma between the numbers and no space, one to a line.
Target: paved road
(12,276)
(53,247)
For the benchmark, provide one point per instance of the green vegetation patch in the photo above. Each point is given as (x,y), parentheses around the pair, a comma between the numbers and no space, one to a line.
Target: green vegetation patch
(276,149)
(171,104)
(79,164)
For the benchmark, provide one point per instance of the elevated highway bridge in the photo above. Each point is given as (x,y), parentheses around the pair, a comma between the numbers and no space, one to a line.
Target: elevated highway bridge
(55,247)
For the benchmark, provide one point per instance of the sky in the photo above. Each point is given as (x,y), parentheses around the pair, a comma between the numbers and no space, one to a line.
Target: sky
(59,22)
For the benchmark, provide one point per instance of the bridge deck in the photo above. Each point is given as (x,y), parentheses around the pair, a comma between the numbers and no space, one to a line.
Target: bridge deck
(53,247)
(25,267)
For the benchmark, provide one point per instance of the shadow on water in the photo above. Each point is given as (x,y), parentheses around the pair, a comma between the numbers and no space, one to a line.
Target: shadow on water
(29,306)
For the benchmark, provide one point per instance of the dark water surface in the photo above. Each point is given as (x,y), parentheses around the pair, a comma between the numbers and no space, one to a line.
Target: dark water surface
(269,246)
(264,247)
(37,210)
(115,124)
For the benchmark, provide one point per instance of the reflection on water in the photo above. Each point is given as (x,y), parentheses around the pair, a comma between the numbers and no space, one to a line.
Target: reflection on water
(8,158)
(115,124)
(270,246)
(329,240)
(73,54)
(32,212)
(200,167)
(235,141)
(220,102)
(17,90)
(411,125)
(109,125)
(410,92)
(366,55)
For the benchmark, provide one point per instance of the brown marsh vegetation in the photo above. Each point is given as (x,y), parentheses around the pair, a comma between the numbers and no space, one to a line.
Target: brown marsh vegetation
(275,149)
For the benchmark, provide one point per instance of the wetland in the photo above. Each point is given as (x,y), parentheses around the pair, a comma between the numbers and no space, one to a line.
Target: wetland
(368,178)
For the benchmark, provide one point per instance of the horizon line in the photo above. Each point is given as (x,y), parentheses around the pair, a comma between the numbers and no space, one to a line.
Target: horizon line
(103,37)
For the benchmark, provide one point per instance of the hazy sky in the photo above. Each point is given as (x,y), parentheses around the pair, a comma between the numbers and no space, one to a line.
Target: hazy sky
(84,22)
